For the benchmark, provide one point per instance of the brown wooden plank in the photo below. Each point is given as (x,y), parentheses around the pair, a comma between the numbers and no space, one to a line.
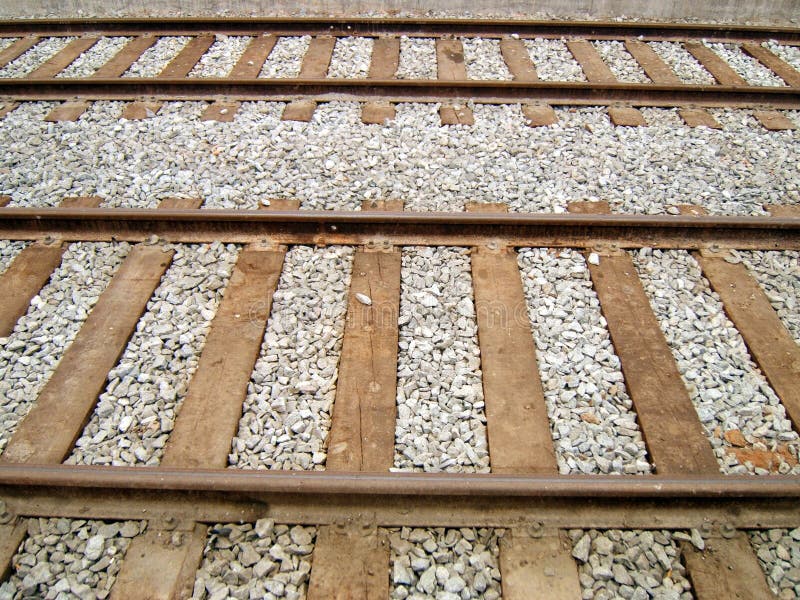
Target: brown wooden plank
(365,408)
(726,568)
(698,117)
(349,563)
(180,203)
(518,59)
(220,111)
(161,564)
(456,115)
(539,115)
(213,405)
(595,69)
(140,110)
(4,200)
(299,110)
(62,59)
(665,411)
(626,116)
(450,60)
(11,537)
(655,67)
(385,58)
(713,63)
(68,111)
(30,271)
(123,59)
(184,62)
(518,429)
(774,63)
(383,65)
(783,210)
(538,568)
(253,58)
(774,120)
(317,58)
(17,49)
(6,107)
(70,395)
(746,304)
(377,113)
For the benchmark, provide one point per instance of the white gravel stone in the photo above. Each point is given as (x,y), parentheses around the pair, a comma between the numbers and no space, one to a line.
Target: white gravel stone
(778,552)
(553,60)
(264,560)
(156,57)
(791,54)
(441,425)
(147,387)
(484,60)
(779,274)
(6,42)
(592,419)
(630,564)
(336,162)
(753,72)
(683,63)
(69,559)
(87,63)
(286,57)
(30,355)
(8,252)
(221,57)
(728,390)
(33,58)
(417,58)
(620,61)
(351,57)
(444,563)
(287,411)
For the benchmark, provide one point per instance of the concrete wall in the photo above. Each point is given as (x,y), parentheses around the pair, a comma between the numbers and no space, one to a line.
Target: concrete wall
(784,12)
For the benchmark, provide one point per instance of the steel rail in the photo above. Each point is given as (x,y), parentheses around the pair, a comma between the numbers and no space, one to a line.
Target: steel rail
(398,26)
(401,228)
(405,484)
(400,90)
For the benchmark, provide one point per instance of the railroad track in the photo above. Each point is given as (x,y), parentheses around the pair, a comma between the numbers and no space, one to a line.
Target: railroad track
(355,505)
(517,78)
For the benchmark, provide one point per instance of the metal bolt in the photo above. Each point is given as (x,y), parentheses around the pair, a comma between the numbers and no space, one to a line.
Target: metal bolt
(536,530)
(170,522)
(6,517)
(727,531)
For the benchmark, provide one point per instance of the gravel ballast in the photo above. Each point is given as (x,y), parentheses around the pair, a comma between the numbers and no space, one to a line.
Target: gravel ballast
(778,552)
(630,564)
(417,58)
(686,66)
(790,54)
(30,355)
(446,564)
(621,63)
(778,273)
(94,58)
(753,72)
(136,412)
(441,425)
(336,162)
(730,394)
(221,57)
(351,57)
(287,412)
(69,559)
(553,60)
(286,57)
(484,60)
(260,560)
(34,57)
(156,57)
(9,250)
(592,419)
